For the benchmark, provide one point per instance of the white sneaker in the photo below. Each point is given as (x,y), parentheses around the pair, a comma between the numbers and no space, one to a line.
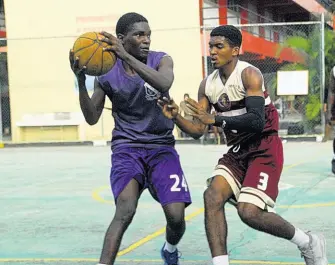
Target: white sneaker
(315,252)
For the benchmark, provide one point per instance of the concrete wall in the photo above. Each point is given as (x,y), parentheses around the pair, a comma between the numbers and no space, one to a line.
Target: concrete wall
(41,33)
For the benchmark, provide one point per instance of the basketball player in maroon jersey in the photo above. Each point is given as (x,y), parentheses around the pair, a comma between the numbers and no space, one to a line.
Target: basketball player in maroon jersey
(248,174)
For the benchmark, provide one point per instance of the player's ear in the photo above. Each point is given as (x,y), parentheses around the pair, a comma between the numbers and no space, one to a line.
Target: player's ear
(120,36)
(236,51)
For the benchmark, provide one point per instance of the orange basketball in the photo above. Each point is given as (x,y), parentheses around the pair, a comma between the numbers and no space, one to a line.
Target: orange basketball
(89,49)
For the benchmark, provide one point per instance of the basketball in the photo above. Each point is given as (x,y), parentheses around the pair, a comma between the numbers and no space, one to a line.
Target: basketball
(89,49)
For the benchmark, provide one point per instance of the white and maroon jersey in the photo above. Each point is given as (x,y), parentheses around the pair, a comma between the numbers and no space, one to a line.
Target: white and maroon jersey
(229,100)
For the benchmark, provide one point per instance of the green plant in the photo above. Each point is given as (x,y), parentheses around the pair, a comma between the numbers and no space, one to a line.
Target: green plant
(308,46)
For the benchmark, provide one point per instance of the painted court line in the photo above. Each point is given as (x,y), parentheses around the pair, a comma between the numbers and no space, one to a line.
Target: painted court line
(155,234)
(258,262)
(200,211)
(194,214)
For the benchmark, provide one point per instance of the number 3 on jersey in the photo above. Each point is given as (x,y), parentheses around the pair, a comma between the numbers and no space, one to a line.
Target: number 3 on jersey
(175,186)
(263,181)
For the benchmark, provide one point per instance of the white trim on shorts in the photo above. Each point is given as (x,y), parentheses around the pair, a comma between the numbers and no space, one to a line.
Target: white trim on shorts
(258,198)
(221,170)
(243,194)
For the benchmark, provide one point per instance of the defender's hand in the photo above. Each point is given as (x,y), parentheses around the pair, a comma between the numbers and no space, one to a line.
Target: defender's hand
(114,45)
(169,107)
(79,73)
(199,113)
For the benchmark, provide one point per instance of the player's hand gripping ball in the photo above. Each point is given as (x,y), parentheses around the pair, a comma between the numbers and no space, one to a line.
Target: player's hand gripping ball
(114,45)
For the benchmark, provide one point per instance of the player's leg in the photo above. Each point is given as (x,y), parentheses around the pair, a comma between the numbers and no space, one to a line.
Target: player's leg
(175,224)
(125,210)
(169,187)
(127,182)
(222,187)
(215,198)
(257,199)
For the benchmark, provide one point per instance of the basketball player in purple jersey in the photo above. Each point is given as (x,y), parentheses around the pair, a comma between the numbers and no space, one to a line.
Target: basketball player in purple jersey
(143,153)
(248,174)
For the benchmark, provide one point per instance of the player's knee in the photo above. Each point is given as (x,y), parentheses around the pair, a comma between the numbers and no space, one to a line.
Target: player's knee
(214,198)
(175,221)
(248,212)
(175,215)
(126,211)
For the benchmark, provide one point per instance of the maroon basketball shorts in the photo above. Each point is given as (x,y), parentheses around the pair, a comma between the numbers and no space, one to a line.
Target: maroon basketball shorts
(253,171)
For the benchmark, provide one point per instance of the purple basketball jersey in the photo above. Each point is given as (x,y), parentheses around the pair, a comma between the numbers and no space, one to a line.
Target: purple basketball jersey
(138,119)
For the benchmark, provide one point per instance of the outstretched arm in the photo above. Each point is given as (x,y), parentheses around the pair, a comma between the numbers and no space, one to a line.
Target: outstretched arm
(193,128)
(160,79)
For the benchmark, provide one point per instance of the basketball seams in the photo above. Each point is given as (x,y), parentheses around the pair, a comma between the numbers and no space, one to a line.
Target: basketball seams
(89,59)
(83,47)
(86,38)
(90,56)
(102,53)
(102,60)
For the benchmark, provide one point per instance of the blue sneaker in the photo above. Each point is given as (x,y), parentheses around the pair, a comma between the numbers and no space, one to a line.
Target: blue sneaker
(170,258)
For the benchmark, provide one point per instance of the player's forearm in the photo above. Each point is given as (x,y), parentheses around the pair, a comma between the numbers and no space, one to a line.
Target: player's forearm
(87,107)
(253,121)
(248,122)
(156,79)
(195,130)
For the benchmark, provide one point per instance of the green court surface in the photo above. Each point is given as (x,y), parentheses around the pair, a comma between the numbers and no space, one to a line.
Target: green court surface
(56,205)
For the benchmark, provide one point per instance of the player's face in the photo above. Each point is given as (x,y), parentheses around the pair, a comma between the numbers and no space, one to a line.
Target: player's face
(221,52)
(137,40)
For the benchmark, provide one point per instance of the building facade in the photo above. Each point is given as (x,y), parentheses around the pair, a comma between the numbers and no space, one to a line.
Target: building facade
(39,98)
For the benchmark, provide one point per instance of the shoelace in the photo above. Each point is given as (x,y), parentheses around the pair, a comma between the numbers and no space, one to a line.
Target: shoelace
(308,252)
(173,256)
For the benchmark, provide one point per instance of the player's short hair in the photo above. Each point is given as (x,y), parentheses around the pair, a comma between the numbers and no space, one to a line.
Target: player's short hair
(231,34)
(125,22)
(186,95)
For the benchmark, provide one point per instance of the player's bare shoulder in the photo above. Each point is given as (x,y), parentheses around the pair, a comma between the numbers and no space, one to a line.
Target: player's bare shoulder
(252,79)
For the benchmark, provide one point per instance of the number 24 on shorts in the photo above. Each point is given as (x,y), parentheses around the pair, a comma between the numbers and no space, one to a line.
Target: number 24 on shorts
(175,186)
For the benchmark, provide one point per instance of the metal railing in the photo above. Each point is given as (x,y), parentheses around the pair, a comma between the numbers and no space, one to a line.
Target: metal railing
(256,23)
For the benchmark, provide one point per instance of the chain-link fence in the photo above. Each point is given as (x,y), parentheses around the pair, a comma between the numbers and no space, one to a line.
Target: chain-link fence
(290,56)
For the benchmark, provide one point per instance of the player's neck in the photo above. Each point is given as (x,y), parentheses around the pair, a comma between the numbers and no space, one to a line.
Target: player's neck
(226,70)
